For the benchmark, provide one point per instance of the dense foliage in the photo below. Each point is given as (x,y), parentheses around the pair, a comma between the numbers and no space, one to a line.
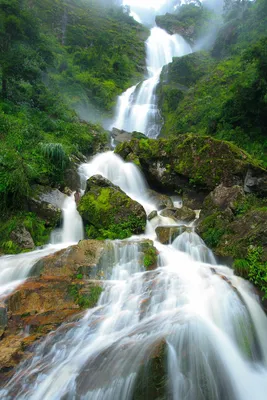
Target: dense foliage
(228,100)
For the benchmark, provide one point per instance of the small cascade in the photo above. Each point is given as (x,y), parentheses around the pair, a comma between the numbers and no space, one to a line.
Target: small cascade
(137,108)
(14,269)
(192,244)
(125,175)
(72,229)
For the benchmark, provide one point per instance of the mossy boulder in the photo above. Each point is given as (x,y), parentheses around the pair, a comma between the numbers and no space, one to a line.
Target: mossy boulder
(152,380)
(194,162)
(108,212)
(234,225)
(150,254)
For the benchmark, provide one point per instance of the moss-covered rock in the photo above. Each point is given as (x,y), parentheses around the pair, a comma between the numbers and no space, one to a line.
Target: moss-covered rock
(190,161)
(234,225)
(108,212)
(150,254)
(152,380)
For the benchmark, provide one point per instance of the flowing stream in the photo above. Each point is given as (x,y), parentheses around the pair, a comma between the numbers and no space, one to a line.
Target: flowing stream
(14,269)
(190,329)
(137,108)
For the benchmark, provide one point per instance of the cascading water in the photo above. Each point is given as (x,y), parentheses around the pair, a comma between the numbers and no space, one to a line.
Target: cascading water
(14,269)
(125,175)
(188,330)
(137,108)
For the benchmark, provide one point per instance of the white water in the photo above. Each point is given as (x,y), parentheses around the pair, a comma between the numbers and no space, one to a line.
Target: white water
(206,319)
(137,108)
(14,269)
(125,175)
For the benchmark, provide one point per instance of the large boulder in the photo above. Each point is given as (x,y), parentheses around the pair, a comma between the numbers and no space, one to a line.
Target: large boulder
(108,212)
(167,234)
(179,214)
(22,238)
(160,200)
(191,161)
(46,203)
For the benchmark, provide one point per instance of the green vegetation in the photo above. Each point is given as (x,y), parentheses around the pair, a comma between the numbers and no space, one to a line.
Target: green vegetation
(34,225)
(109,213)
(253,268)
(224,93)
(85,300)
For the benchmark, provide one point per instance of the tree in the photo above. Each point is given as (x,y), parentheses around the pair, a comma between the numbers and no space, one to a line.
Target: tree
(23,52)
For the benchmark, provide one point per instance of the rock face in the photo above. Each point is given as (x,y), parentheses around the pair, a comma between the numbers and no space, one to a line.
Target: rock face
(62,288)
(161,200)
(120,136)
(179,214)
(46,203)
(194,162)
(22,238)
(167,234)
(108,212)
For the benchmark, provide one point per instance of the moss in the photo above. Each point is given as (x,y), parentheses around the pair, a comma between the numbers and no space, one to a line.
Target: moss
(200,162)
(151,382)
(85,300)
(213,228)
(110,214)
(150,255)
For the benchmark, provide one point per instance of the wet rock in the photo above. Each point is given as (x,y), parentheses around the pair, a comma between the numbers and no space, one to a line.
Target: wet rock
(152,380)
(167,234)
(72,179)
(256,182)
(179,214)
(108,212)
(46,203)
(81,258)
(161,200)
(192,161)
(150,254)
(61,291)
(152,215)
(193,198)
(3,318)
(223,197)
(22,238)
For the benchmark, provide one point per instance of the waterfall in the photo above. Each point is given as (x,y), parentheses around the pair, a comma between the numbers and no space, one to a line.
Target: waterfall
(137,107)
(14,269)
(190,329)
